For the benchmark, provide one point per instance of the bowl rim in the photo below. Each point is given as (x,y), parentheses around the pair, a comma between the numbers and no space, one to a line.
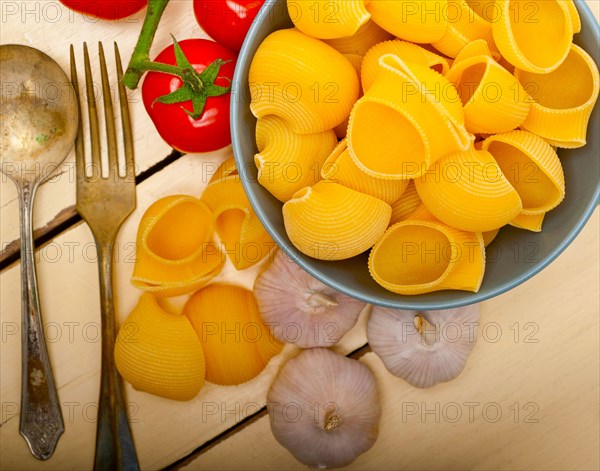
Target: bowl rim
(243,64)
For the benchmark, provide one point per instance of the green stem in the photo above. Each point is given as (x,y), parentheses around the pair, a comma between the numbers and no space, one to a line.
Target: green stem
(160,67)
(140,58)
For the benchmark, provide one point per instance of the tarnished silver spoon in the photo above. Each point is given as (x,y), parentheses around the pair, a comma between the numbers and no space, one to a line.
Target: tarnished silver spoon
(39,115)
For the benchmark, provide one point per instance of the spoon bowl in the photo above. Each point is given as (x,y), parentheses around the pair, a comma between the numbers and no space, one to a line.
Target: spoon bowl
(39,114)
(39,123)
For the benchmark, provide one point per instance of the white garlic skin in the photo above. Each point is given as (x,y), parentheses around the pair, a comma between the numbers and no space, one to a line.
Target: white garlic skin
(300,309)
(319,390)
(393,336)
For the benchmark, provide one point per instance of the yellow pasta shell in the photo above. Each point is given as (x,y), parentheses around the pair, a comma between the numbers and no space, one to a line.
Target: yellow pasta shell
(418,22)
(464,26)
(302,80)
(340,168)
(406,51)
(175,250)
(563,100)
(421,213)
(476,48)
(360,42)
(328,19)
(409,118)
(468,191)
(416,256)
(245,240)
(406,204)
(531,222)
(331,222)
(574,14)
(532,167)
(229,167)
(533,35)
(489,236)
(494,101)
(236,342)
(288,161)
(159,353)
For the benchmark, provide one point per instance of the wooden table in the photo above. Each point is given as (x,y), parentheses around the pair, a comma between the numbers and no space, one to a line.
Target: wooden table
(528,398)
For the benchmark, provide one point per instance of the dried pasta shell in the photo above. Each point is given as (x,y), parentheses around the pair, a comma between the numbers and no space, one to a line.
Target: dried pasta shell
(531,222)
(176,254)
(418,22)
(421,213)
(539,44)
(229,167)
(409,118)
(476,48)
(468,191)
(563,100)
(340,168)
(574,14)
(489,236)
(416,257)
(331,222)
(408,52)
(494,101)
(159,353)
(236,342)
(532,167)
(360,42)
(406,204)
(245,239)
(302,80)
(328,19)
(288,161)
(464,26)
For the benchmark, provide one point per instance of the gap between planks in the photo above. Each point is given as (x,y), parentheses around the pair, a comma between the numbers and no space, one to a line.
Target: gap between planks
(69,218)
(239,426)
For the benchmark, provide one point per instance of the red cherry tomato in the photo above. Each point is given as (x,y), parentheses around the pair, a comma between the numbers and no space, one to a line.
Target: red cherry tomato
(182,132)
(106,9)
(227,21)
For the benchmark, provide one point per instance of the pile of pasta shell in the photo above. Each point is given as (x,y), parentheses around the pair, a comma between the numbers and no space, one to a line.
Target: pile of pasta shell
(416,130)
(183,243)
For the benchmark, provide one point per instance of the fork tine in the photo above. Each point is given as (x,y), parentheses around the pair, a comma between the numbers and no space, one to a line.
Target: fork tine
(93,115)
(125,120)
(109,117)
(79,150)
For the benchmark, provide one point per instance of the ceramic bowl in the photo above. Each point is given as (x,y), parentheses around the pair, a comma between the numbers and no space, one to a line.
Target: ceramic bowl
(515,256)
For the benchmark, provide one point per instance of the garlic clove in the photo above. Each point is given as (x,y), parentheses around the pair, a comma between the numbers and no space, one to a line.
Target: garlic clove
(237,344)
(159,352)
(300,309)
(324,408)
(423,348)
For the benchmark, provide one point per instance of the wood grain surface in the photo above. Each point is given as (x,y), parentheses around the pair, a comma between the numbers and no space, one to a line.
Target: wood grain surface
(528,398)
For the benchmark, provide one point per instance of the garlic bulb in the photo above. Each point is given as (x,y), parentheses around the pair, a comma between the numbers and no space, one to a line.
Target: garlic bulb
(159,352)
(236,343)
(300,309)
(324,408)
(424,348)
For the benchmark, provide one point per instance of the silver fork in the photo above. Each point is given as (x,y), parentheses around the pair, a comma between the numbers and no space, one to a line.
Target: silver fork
(104,203)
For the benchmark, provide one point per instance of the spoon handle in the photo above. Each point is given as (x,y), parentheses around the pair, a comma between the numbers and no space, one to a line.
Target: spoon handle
(41,422)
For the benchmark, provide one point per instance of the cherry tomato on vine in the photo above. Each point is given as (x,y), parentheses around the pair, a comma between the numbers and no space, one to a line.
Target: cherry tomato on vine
(168,100)
(227,21)
(106,9)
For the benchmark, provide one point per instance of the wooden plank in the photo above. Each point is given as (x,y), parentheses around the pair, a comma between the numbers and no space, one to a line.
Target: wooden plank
(51,27)
(544,382)
(164,430)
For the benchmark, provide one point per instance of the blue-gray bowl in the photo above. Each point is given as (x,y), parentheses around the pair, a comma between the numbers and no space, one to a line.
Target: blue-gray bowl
(515,256)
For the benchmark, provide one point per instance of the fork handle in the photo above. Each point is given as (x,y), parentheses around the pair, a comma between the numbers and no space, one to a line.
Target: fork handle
(115,449)
(41,422)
